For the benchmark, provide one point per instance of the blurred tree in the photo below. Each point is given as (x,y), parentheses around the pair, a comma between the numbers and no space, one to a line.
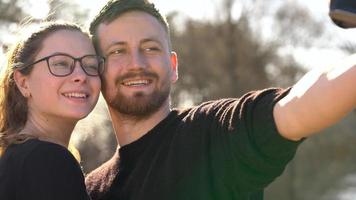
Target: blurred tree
(227,57)
(67,10)
(294,25)
(16,13)
(10,11)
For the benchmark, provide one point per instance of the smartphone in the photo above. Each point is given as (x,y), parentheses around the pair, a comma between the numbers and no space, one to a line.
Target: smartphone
(343,13)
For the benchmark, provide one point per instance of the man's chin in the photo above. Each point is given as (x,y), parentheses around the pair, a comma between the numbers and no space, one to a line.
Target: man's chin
(137,107)
(139,104)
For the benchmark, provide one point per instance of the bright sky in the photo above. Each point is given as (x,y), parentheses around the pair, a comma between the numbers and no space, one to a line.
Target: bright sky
(166,6)
(189,8)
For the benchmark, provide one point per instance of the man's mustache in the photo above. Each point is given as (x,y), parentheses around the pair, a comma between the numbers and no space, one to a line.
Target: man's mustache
(136,74)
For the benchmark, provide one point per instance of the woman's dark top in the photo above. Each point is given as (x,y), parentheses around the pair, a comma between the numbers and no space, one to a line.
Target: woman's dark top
(39,170)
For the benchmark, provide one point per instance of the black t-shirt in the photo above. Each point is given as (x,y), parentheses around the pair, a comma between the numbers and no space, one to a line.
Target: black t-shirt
(38,170)
(225,149)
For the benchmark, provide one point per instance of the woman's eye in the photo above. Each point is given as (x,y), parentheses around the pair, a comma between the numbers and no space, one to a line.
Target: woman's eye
(60,64)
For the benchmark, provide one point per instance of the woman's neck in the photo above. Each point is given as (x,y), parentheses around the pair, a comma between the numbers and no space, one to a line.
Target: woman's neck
(55,131)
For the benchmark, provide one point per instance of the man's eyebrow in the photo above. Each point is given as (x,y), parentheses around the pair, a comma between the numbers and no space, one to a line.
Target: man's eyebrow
(151,40)
(115,43)
(145,40)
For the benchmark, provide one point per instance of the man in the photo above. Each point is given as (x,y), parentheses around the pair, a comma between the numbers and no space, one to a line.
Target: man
(224,149)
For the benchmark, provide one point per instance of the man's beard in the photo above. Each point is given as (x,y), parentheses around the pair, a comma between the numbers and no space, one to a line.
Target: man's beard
(141,105)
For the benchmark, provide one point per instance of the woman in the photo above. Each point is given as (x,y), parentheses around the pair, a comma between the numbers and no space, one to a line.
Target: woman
(51,81)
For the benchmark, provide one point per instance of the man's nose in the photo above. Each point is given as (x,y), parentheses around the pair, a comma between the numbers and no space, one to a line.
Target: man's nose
(137,60)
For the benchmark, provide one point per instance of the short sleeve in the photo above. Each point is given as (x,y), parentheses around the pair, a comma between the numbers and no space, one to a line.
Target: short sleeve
(247,147)
(264,152)
(50,172)
(263,128)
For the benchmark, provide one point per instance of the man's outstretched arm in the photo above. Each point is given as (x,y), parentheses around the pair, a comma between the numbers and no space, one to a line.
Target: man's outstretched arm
(318,100)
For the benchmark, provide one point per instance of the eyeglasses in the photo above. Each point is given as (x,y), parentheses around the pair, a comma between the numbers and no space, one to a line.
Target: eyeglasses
(61,64)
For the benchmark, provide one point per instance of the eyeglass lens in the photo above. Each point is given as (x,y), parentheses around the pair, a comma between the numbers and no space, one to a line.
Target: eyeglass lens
(63,65)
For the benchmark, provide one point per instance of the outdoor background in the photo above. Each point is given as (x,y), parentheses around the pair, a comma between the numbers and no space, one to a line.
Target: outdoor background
(226,48)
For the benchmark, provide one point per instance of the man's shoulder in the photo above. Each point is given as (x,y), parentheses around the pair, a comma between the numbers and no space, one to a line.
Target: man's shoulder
(99,181)
(253,96)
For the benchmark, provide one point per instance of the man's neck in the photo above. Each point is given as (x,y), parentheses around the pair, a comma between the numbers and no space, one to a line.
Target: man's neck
(129,128)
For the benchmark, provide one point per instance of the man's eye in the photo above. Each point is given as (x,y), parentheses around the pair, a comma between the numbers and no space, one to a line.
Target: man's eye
(150,49)
(117,51)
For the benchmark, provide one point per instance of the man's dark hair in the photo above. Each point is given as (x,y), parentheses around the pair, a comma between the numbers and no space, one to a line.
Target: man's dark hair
(114,8)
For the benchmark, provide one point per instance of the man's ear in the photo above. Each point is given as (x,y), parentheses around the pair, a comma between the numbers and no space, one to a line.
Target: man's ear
(174,64)
(22,83)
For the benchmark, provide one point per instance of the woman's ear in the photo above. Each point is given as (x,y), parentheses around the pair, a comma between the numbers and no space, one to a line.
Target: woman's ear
(22,83)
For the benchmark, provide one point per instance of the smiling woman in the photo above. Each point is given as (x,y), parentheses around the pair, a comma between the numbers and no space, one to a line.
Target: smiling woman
(44,92)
